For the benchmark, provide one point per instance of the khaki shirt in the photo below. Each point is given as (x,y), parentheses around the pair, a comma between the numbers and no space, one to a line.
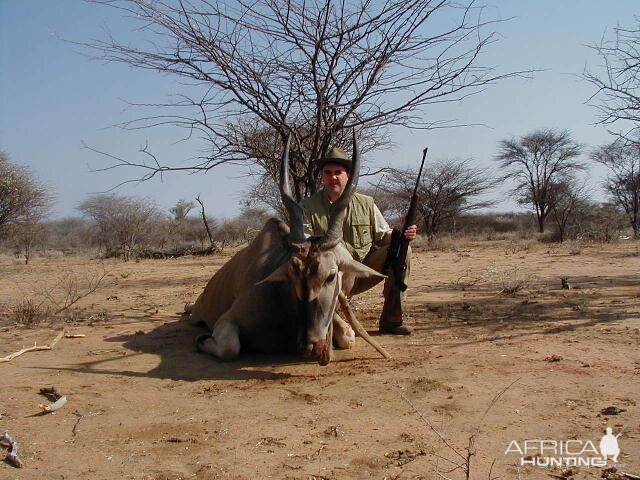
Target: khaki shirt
(364,225)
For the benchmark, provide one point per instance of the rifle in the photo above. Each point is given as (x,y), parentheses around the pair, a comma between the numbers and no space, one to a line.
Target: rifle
(396,260)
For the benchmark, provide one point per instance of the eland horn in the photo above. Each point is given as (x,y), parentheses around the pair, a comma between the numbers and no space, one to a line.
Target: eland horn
(296,214)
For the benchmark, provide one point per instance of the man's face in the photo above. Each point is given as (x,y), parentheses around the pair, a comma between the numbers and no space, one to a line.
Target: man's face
(334,179)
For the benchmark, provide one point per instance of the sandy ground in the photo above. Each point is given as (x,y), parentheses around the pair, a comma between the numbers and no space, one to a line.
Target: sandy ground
(482,365)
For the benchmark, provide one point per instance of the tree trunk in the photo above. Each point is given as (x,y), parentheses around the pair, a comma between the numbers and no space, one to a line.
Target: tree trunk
(27,252)
(204,220)
(540,217)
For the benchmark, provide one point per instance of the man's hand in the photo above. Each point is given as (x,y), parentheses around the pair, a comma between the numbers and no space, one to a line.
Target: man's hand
(411,232)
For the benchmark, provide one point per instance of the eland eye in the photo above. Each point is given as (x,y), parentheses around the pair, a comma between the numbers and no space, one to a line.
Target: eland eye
(330,278)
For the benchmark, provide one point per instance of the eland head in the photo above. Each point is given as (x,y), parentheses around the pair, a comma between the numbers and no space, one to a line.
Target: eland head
(318,267)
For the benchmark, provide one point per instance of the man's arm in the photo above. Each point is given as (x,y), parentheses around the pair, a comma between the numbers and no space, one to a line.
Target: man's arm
(382,231)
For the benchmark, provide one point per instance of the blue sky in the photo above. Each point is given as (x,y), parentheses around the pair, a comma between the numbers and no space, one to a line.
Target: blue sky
(53,98)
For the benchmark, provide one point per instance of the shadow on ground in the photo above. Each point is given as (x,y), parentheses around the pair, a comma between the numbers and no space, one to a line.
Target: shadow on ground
(173,343)
(485,316)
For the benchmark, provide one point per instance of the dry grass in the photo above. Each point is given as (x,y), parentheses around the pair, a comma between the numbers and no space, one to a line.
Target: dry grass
(30,312)
(51,298)
(520,246)
(508,280)
(573,247)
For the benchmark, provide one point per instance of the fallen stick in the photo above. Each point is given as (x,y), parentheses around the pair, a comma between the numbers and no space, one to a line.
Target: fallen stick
(35,348)
(357,326)
(52,407)
(75,425)
(630,476)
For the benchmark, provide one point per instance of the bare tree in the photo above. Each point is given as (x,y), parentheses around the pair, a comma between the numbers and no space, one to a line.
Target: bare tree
(257,71)
(195,232)
(68,234)
(242,228)
(617,95)
(205,221)
(124,223)
(535,161)
(265,193)
(604,222)
(623,183)
(567,196)
(448,189)
(22,197)
(27,233)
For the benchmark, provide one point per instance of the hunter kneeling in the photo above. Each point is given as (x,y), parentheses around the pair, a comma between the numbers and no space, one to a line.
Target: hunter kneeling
(366,234)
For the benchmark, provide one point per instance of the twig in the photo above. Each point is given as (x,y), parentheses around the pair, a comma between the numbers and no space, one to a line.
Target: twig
(442,476)
(491,468)
(73,293)
(357,326)
(75,425)
(428,424)
(35,348)
(629,476)
(496,397)
(457,466)
(471,451)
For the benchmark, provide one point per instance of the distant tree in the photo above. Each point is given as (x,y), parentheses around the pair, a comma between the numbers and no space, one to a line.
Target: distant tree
(264,193)
(195,232)
(178,228)
(27,233)
(242,228)
(447,189)
(601,222)
(22,197)
(623,183)
(181,209)
(617,95)
(257,71)
(566,197)
(205,221)
(123,223)
(68,234)
(536,161)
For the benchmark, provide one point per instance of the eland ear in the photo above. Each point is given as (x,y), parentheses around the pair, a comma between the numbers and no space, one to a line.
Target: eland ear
(278,275)
(360,270)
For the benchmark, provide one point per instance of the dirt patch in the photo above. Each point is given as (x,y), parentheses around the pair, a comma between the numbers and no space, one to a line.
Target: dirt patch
(540,362)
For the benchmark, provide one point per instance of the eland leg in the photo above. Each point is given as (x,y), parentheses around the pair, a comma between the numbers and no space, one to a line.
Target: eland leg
(224,341)
(343,335)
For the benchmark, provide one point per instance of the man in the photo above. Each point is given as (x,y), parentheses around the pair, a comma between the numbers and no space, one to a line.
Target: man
(366,233)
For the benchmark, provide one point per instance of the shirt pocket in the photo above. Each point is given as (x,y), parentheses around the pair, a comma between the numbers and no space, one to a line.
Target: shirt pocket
(361,235)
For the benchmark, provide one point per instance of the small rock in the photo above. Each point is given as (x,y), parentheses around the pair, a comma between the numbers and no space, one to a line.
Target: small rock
(612,411)
(553,358)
